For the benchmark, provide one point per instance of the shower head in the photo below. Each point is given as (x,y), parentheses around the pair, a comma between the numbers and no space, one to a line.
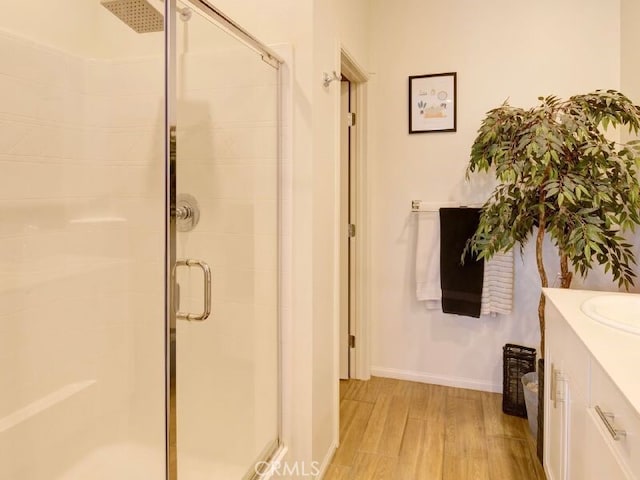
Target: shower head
(140,15)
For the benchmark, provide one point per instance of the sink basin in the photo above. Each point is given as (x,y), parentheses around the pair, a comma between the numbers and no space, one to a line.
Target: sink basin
(617,311)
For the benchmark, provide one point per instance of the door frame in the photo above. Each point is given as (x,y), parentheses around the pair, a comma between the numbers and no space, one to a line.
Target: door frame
(360,367)
(347,217)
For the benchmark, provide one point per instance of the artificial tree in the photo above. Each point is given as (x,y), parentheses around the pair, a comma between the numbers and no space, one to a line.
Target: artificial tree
(560,174)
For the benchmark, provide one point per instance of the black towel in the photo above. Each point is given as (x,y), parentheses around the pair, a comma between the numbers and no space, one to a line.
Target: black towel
(461,284)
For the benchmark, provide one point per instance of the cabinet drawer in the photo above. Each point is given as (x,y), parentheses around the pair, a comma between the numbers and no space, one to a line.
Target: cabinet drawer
(602,459)
(605,394)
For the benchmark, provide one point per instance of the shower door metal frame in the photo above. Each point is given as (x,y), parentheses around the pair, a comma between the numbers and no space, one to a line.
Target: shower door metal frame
(171,63)
(170,103)
(236,30)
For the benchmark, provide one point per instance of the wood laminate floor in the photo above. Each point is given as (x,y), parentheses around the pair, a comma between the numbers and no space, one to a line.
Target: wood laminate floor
(397,430)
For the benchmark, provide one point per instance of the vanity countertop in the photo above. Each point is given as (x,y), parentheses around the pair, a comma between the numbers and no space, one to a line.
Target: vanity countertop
(617,352)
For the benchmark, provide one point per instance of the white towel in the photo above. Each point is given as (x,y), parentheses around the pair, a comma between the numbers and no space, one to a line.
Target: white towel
(428,260)
(497,287)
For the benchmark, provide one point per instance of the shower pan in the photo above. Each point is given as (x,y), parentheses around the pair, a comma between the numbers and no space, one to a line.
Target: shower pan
(139,243)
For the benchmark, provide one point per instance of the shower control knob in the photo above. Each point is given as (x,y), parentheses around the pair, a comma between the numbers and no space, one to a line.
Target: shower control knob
(187,212)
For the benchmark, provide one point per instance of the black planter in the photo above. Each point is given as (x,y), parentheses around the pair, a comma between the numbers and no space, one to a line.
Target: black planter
(540,439)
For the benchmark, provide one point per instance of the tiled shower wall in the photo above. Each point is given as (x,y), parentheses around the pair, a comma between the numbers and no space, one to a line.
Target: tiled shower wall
(81,260)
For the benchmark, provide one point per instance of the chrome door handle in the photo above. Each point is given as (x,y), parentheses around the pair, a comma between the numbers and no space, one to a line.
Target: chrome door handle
(607,419)
(206,271)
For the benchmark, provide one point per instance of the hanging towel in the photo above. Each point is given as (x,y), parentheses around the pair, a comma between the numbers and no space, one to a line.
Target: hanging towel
(428,260)
(461,284)
(497,287)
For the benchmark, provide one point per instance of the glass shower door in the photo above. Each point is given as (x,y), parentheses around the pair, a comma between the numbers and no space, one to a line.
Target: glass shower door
(226,251)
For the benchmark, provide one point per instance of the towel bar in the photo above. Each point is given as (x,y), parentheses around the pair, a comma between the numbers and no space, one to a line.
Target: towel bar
(420,206)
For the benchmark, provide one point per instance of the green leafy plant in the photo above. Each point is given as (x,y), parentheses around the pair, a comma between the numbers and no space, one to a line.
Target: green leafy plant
(560,175)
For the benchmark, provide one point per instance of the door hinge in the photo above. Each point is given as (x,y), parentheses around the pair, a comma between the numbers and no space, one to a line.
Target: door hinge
(269,60)
(352,341)
(351,119)
(352,230)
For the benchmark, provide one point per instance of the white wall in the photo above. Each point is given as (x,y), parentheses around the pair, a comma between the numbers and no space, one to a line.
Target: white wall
(501,49)
(629,64)
(630,80)
(323,187)
(353,18)
(630,43)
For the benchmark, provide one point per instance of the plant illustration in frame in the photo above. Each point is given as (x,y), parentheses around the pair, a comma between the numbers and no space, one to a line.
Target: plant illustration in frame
(432,103)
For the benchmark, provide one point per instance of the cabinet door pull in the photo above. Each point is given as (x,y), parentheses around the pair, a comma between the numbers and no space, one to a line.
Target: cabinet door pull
(607,419)
(556,375)
(552,390)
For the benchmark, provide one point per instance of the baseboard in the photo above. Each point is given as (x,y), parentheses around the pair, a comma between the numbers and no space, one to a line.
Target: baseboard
(447,381)
(326,462)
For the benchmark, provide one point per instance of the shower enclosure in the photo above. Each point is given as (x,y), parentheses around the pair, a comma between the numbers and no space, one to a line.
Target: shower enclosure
(139,240)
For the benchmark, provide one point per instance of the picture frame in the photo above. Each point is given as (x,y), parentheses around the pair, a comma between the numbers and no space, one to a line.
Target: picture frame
(433,103)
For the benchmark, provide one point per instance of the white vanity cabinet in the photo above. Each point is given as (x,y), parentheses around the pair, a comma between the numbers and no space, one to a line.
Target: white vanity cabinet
(567,399)
(579,398)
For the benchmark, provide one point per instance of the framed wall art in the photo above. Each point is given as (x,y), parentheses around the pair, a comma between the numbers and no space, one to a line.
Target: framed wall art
(432,103)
